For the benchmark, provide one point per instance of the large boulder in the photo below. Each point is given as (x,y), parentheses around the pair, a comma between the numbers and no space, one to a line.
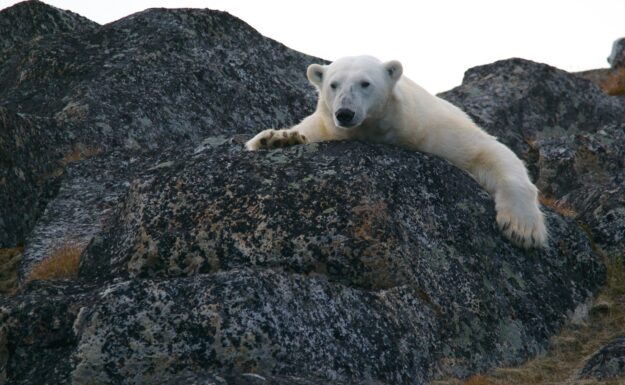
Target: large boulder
(32,20)
(154,79)
(617,56)
(158,77)
(521,101)
(570,134)
(386,236)
(586,173)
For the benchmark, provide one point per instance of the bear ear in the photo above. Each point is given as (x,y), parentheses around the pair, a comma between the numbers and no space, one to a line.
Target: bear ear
(315,74)
(394,69)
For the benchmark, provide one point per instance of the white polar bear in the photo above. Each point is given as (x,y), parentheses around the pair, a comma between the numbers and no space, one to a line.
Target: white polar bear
(363,98)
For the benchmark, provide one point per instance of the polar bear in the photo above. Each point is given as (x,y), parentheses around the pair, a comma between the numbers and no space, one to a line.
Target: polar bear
(362,98)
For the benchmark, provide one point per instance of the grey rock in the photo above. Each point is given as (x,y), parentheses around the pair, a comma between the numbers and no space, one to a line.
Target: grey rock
(85,201)
(36,335)
(368,219)
(617,56)
(521,101)
(587,173)
(250,321)
(29,174)
(341,263)
(569,133)
(159,77)
(608,362)
(32,20)
(154,79)
(246,379)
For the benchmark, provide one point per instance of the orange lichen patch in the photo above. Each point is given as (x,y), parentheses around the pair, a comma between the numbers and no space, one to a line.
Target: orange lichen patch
(610,80)
(557,206)
(478,379)
(371,216)
(80,153)
(62,264)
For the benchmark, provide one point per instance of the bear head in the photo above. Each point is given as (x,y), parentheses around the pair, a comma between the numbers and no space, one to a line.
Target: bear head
(354,89)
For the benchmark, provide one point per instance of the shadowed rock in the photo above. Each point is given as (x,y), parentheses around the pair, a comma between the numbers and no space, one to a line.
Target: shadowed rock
(608,362)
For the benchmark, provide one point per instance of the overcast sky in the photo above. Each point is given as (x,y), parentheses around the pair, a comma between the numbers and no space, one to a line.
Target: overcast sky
(436,40)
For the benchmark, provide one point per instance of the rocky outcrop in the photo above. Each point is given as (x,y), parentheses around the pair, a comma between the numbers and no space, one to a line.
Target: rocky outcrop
(308,261)
(586,172)
(570,134)
(33,20)
(608,362)
(611,80)
(28,173)
(154,79)
(617,56)
(343,263)
(520,102)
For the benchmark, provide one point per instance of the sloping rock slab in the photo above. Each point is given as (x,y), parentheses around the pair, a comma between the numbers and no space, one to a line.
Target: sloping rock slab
(252,321)
(28,177)
(87,197)
(521,101)
(608,362)
(371,219)
(31,20)
(247,379)
(154,79)
(157,77)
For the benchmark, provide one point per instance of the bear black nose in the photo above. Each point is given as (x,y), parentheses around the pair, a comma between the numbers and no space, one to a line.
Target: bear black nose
(345,116)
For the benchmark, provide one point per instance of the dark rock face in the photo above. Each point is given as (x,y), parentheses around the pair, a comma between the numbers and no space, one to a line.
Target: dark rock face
(157,77)
(570,134)
(87,196)
(617,56)
(587,172)
(32,20)
(358,225)
(153,79)
(334,263)
(520,101)
(28,173)
(36,335)
(608,362)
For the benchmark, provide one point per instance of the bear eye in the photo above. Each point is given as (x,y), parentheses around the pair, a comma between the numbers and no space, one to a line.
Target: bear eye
(364,84)
(333,85)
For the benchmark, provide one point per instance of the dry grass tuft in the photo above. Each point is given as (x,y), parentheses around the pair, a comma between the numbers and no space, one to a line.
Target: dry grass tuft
(478,379)
(557,206)
(10,259)
(62,264)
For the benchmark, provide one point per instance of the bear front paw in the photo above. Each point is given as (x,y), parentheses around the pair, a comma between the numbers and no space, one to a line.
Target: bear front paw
(275,139)
(525,228)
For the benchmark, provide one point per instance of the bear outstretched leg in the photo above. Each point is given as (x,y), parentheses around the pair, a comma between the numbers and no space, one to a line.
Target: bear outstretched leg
(502,174)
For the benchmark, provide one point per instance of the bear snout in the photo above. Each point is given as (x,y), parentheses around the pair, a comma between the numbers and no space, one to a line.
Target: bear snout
(345,116)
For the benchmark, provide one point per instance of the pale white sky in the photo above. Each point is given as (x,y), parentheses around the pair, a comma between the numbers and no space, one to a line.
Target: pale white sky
(436,40)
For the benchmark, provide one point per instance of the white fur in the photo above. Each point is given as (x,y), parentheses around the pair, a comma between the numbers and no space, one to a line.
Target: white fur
(393,109)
